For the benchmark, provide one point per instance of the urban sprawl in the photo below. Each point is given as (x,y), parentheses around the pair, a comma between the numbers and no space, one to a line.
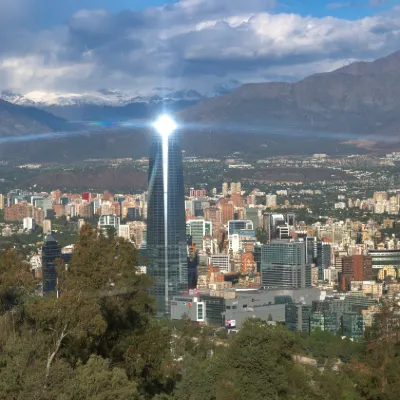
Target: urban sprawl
(249,253)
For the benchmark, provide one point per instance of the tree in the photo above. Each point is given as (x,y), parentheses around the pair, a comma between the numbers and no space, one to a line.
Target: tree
(257,364)
(102,309)
(262,235)
(16,280)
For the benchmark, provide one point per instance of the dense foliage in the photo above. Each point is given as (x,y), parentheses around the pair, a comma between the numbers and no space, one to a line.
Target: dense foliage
(99,340)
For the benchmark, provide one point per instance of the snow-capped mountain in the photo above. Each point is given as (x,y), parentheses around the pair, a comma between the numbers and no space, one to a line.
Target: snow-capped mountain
(110,104)
(114,98)
(102,97)
(225,87)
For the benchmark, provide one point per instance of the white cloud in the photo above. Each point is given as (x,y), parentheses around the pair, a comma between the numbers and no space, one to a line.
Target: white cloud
(191,43)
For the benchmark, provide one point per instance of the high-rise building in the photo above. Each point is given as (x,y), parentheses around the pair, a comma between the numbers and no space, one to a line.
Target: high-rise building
(356,268)
(166,222)
(197,229)
(225,189)
(46,226)
(1,201)
(236,187)
(51,251)
(323,258)
(227,210)
(283,264)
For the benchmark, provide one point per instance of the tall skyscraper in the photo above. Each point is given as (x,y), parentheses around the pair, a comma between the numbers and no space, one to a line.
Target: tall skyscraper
(166,224)
(51,251)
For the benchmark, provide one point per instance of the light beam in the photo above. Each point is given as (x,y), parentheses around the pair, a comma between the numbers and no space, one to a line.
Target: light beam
(165,126)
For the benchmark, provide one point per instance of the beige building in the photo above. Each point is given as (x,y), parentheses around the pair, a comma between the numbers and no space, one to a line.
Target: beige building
(46,226)
(368,288)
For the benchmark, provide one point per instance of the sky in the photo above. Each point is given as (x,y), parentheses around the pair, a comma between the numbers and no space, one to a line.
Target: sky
(139,46)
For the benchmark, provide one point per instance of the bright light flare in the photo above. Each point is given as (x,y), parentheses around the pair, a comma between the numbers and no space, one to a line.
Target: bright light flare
(165,125)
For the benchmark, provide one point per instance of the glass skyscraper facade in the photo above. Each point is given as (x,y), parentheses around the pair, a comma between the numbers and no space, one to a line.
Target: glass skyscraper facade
(283,265)
(51,251)
(166,221)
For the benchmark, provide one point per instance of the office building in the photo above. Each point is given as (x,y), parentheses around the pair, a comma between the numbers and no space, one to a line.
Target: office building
(237,225)
(28,224)
(221,261)
(297,317)
(233,307)
(197,229)
(323,260)
(383,258)
(51,251)
(356,268)
(108,221)
(353,325)
(166,221)
(283,265)
(227,210)
(325,321)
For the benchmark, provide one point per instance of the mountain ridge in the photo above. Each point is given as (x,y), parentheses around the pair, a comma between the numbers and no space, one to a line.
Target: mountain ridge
(360,98)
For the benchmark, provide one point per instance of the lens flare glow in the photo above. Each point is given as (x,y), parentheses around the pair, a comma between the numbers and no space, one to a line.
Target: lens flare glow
(165,125)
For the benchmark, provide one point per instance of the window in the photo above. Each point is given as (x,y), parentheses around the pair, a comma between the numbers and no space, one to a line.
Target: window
(200,311)
(244,305)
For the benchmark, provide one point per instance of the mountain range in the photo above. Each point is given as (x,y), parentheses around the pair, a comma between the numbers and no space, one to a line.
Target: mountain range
(114,105)
(356,101)
(360,98)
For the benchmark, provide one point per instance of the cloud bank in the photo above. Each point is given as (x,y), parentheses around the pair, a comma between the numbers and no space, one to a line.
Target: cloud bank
(190,43)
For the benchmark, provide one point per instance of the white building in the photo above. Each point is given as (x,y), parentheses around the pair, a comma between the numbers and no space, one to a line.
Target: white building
(221,261)
(108,221)
(124,231)
(235,243)
(81,222)
(29,223)
(271,200)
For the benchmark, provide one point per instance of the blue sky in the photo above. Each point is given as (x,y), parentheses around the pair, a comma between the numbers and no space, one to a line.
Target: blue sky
(56,12)
(80,46)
